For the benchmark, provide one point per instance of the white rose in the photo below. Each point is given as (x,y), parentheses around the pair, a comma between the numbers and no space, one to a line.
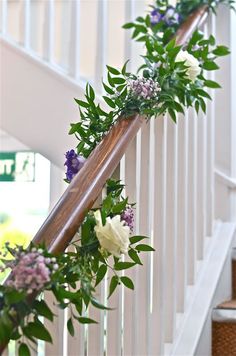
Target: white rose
(172,3)
(191,62)
(113,236)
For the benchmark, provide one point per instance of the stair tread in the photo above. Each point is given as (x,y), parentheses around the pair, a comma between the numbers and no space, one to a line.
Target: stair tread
(230,304)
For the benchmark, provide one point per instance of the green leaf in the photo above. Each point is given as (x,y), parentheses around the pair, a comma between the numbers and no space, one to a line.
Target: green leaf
(70,327)
(43,309)
(172,114)
(203,93)
(37,330)
(84,320)
(123,70)
(127,282)
(110,79)
(113,284)
(109,102)
(91,93)
(98,305)
(123,265)
(210,65)
(113,70)
(101,274)
(82,103)
(119,207)
(118,80)
(128,25)
(143,247)
(211,84)
(108,89)
(170,45)
(14,296)
(135,239)
(23,350)
(221,51)
(134,256)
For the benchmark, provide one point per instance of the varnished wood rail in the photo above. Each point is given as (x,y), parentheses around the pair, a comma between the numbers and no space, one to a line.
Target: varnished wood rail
(64,220)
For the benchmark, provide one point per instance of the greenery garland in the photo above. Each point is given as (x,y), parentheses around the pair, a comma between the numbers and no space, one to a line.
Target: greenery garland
(171,79)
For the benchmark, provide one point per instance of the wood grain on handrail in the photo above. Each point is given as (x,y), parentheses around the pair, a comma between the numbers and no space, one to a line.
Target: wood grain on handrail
(64,220)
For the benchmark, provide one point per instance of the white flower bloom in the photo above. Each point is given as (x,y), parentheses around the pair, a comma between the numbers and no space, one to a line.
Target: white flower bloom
(113,236)
(172,3)
(191,62)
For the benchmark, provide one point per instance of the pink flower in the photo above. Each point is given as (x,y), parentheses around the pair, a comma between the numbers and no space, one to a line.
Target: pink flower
(30,272)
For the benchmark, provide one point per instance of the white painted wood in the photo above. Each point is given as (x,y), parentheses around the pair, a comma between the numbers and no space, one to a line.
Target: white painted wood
(157,316)
(200,182)
(192,157)
(101,43)
(171,230)
(203,292)
(49,18)
(57,111)
(142,278)
(129,322)
(4,11)
(233,111)
(116,57)
(56,328)
(182,212)
(74,60)
(210,138)
(26,23)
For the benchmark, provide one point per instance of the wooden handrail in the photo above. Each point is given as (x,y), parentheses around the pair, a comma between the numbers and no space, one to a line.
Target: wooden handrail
(65,219)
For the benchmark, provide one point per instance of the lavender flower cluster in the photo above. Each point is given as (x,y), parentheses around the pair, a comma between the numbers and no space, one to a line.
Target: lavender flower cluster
(31,271)
(170,17)
(73,163)
(128,217)
(144,88)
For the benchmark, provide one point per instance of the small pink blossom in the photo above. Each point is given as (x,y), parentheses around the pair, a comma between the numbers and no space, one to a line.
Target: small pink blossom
(30,272)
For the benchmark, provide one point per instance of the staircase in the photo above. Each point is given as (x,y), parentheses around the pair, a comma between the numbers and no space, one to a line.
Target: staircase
(182,176)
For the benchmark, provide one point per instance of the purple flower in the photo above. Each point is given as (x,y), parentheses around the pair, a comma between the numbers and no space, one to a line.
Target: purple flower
(128,217)
(144,88)
(29,272)
(156,17)
(74,163)
(171,17)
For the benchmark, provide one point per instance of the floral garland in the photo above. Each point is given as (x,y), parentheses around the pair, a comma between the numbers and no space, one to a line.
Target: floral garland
(171,78)
(72,277)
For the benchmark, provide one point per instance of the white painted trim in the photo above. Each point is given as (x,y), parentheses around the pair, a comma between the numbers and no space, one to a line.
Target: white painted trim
(225,179)
(224,315)
(52,69)
(202,293)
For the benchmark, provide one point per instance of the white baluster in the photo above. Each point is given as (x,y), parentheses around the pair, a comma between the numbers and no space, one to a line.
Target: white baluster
(171,230)
(27,18)
(74,58)
(192,186)
(182,211)
(101,53)
(48,38)
(4,16)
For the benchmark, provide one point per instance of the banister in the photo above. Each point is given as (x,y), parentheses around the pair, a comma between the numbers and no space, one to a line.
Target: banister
(64,220)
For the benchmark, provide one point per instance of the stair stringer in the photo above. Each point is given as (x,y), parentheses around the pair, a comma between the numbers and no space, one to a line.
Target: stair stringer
(213,285)
(37,103)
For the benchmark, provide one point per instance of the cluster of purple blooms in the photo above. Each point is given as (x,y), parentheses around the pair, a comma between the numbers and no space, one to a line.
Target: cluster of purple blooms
(144,88)
(31,271)
(170,17)
(128,217)
(73,163)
